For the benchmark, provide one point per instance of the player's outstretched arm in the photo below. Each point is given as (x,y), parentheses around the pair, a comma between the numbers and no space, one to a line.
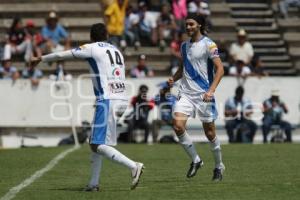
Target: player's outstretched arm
(63,55)
(219,69)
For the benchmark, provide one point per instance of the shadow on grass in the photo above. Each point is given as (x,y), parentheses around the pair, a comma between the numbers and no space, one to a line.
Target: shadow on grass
(81,189)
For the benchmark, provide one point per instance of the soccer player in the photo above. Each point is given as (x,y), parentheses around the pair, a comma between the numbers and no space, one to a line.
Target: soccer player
(196,92)
(108,76)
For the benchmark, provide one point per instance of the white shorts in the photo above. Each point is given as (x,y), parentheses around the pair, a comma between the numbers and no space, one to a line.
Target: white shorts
(104,127)
(194,106)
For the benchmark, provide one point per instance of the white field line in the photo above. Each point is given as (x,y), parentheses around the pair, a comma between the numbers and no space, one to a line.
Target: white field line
(15,190)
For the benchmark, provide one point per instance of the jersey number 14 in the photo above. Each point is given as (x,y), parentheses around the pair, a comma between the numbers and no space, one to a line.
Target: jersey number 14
(117,58)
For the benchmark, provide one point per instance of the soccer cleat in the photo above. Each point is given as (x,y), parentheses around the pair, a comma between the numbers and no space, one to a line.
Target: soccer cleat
(136,174)
(218,173)
(93,188)
(194,168)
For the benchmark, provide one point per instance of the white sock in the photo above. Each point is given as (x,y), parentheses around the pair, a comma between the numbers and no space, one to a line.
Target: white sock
(216,149)
(189,147)
(96,163)
(116,156)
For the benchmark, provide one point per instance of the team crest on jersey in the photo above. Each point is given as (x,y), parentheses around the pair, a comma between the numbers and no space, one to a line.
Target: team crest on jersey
(116,72)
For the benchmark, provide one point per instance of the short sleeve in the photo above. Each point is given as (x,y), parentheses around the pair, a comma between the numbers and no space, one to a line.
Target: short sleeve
(213,51)
(232,70)
(246,70)
(63,32)
(84,51)
(45,32)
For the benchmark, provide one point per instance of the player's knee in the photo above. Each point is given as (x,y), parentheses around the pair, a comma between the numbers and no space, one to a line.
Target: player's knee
(178,128)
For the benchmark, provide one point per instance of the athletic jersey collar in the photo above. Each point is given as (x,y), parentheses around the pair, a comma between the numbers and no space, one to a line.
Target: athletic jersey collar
(201,38)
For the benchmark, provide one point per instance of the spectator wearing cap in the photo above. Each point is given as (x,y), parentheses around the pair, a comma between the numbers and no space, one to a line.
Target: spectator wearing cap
(273,110)
(141,69)
(7,71)
(240,71)
(242,49)
(36,38)
(115,19)
(17,41)
(165,101)
(56,36)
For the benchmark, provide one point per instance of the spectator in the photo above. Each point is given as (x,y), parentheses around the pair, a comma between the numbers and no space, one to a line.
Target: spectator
(7,71)
(17,42)
(139,118)
(32,73)
(194,6)
(115,20)
(56,37)
(224,55)
(36,38)
(242,49)
(257,67)
(179,9)
(175,45)
(241,71)
(60,74)
(141,70)
(285,4)
(82,135)
(132,28)
(273,109)
(165,101)
(148,24)
(237,112)
(166,26)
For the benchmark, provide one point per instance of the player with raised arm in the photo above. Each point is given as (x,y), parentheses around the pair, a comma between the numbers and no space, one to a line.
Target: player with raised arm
(196,92)
(108,76)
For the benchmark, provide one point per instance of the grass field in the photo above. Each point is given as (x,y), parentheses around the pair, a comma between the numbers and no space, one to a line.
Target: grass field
(252,172)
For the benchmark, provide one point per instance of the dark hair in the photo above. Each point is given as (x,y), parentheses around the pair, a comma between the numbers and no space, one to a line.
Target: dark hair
(98,32)
(15,21)
(239,91)
(143,87)
(200,19)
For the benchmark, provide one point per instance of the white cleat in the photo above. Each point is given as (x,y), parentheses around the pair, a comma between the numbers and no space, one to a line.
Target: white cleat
(136,174)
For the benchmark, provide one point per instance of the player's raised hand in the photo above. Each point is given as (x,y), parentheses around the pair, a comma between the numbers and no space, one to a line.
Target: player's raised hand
(170,81)
(208,96)
(35,61)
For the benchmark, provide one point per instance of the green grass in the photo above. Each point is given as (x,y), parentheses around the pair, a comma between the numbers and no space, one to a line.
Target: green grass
(252,172)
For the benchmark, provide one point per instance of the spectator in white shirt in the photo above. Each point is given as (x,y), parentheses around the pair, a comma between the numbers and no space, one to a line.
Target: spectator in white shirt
(241,71)
(242,49)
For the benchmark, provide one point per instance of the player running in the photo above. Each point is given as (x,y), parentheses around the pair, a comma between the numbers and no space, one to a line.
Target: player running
(108,76)
(196,92)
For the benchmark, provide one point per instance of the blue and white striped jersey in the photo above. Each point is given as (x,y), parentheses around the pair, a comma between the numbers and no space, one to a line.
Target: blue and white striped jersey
(198,69)
(107,69)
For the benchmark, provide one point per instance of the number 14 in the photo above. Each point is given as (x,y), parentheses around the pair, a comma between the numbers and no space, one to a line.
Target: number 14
(118,58)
